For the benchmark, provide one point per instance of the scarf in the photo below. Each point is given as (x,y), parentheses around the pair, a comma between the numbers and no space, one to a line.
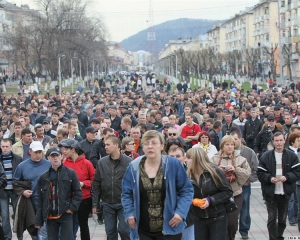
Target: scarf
(137,144)
(153,190)
(205,147)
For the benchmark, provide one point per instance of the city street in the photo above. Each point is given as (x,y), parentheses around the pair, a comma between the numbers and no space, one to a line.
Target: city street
(258,228)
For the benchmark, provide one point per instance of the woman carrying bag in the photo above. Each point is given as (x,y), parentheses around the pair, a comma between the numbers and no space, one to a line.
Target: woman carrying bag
(213,190)
(237,172)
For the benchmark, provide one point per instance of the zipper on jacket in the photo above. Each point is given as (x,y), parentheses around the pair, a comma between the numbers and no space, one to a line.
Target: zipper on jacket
(206,200)
(57,191)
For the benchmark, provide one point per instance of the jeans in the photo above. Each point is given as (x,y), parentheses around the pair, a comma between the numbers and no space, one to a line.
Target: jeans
(157,236)
(233,218)
(293,208)
(188,233)
(298,199)
(245,219)
(42,233)
(211,228)
(83,217)
(4,206)
(112,212)
(60,228)
(278,207)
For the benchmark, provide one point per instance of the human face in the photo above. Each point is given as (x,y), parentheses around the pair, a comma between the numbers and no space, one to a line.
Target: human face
(228,118)
(22,121)
(253,114)
(108,122)
(96,126)
(123,125)
(91,136)
(6,147)
(297,143)
(102,127)
(54,118)
(65,126)
(279,143)
(152,148)
(36,156)
(73,130)
(228,148)
(135,134)
(188,120)
(165,120)
(237,140)
(67,152)
(27,138)
(272,123)
(204,139)
(113,112)
(177,154)
(288,120)
(59,137)
(17,130)
(208,125)
(172,134)
(39,132)
(110,147)
(173,121)
(130,146)
(46,126)
(55,160)
(187,110)
(142,119)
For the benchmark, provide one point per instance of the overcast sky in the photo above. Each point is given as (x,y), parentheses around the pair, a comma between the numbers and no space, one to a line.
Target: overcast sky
(124,18)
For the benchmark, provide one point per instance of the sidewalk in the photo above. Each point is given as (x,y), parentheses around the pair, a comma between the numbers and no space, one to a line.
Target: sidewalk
(258,229)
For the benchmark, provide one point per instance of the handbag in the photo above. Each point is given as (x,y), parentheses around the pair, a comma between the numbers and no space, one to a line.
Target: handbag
(230,206)
(230,175)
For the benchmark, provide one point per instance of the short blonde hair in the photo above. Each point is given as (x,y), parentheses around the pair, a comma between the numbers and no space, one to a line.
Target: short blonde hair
(227,139)
(171,117)
(152,134)
(125,141)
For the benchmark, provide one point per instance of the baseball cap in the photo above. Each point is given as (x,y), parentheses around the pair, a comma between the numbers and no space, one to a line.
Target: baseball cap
(271,117)
(219,110)
(127,113)
(69,143)
(53,150)
(36,146)
(90,130)
(167,104)
(46,121)
(124,106)
(276,108)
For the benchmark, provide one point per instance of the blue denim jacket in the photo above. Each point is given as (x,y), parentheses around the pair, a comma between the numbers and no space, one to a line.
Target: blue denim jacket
(179,194)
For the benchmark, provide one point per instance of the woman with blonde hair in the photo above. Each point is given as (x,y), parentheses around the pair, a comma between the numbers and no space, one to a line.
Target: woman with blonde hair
(161,184)
(173,121)
(237,172)
(127,147)
(210,185)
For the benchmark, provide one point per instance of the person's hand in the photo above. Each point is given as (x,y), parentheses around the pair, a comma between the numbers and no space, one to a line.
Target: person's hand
(230,168)
(131,222)
(282,179)
(38,227)
(27,193)
(223,168)
(206,205)
(81,184)
(95,211)
(274,180)
(247,183)
(175,220)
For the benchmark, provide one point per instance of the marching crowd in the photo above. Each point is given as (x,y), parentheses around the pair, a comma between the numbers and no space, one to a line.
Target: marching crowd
(152,164)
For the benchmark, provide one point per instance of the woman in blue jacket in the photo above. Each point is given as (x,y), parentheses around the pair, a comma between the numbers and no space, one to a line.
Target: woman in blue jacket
(156,193)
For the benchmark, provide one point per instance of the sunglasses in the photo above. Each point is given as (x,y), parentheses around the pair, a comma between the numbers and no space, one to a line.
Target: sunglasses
(172,134)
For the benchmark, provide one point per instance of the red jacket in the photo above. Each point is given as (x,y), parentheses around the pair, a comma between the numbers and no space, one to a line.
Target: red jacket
(85,173)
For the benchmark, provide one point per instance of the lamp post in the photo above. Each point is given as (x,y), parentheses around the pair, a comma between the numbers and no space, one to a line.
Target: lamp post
(59,72)
(72,72)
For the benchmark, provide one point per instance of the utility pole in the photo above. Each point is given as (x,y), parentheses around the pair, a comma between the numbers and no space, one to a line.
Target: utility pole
(280,45)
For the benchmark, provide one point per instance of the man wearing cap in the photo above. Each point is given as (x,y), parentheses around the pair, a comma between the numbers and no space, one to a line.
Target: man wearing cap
(55,208)
(47,129)
(167,111)
(31,169)
(81,116)
(278,116)
(87,143)
(263,142)
(5,130)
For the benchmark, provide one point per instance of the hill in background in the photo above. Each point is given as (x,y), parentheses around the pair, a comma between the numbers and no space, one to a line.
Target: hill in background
(170,30)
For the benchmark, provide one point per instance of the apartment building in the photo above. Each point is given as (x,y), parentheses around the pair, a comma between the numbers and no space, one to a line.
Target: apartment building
(239,30)
(216,38)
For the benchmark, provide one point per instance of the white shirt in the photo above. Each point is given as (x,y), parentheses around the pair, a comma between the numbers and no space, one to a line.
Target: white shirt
(278,186)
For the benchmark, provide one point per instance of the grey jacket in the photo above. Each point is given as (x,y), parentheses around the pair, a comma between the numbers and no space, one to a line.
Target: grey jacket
(107,183)
(252,160)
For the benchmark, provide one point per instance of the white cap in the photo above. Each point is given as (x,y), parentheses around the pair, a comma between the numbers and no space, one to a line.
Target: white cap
(36,146)
(233,103)
(209,101)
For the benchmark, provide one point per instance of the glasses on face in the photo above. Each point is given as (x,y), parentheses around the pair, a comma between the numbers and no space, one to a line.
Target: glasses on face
(132,144)
(148,144)
(172,134)
(175,156)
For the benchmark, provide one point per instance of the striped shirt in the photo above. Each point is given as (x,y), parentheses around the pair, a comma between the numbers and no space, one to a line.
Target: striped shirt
(7,164)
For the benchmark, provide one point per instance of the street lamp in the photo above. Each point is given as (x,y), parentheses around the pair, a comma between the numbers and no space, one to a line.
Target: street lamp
(174,54)
(59,71)
(72,72)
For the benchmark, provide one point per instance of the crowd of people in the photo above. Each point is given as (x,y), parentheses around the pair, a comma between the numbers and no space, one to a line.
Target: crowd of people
(150,163)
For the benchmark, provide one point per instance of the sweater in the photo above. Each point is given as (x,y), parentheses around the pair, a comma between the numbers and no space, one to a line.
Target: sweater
(31,170)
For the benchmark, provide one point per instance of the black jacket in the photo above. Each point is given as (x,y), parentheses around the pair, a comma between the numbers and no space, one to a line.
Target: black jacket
(40,119)
(116,123)
(82,117)
(251,129)
(267,169)
(87,147)
(214,139)
(218,195)
(107,183)
(98,151)
(262,140)
(69,196)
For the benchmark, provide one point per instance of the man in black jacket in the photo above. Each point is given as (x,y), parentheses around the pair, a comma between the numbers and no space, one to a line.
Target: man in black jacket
(9,162)
(88,143)
(214,134)
(110,191)
(54,207)
(252,128)
(278,171)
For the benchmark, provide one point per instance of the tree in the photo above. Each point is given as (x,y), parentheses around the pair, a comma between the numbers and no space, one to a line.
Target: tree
(272,62)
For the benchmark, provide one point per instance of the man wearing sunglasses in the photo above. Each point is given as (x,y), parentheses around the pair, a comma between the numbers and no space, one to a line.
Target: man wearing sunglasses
(173,135)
